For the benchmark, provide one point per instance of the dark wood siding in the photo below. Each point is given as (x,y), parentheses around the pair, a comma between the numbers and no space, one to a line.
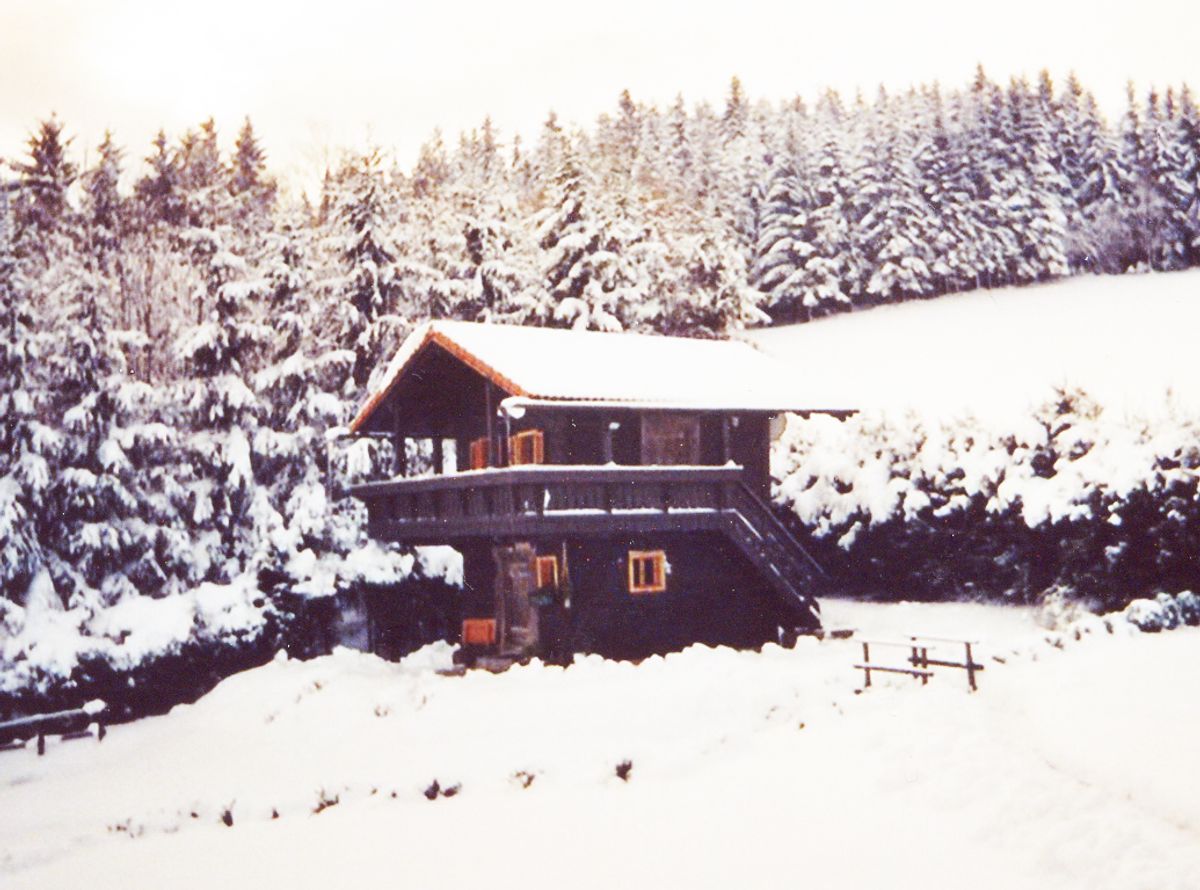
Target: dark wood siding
(713,596)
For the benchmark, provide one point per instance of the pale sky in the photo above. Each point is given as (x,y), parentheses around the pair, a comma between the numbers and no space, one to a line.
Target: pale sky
(315,77)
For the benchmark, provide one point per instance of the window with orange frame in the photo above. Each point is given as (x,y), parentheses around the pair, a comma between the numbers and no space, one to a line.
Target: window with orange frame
(647,571)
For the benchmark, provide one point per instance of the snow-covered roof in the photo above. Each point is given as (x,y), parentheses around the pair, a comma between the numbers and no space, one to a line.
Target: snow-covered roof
(610,369)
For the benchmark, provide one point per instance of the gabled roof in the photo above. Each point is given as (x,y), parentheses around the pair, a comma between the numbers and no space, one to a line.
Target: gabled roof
(606,369)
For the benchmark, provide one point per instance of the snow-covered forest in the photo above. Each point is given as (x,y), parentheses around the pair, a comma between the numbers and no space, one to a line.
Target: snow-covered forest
(183,341)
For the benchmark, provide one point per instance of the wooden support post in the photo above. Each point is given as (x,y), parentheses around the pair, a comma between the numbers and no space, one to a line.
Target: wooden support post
(493,453)
(970,668)
(726,440)
(41,744)
(439,458)
(606,439)
(507,439)
(400,458)
(866,661)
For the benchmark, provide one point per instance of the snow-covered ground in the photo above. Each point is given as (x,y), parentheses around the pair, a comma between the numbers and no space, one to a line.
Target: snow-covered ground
(1127,340)
(1074,766)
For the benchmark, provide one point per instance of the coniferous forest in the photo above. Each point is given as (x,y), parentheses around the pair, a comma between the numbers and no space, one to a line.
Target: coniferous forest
(183,341)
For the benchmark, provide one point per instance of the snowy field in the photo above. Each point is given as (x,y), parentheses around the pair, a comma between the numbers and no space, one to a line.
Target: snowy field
(1074,766)
(1127,340)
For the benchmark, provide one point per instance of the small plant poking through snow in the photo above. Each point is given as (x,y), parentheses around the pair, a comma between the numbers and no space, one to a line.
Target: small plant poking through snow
(227,815)
(436,789)
(325,800)
(128,828)
(524,778)
(624,769)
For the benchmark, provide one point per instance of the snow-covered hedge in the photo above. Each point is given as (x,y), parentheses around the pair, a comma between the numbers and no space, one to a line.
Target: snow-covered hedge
(1164,612)
(144,654)
(1105,507)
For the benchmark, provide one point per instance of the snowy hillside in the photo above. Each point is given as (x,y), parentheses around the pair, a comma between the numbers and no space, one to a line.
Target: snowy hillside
(1126,340)
(1070,768)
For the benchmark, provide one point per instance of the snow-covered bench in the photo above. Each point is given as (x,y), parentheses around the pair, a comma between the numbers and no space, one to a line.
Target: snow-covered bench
(919,662)
(75,723)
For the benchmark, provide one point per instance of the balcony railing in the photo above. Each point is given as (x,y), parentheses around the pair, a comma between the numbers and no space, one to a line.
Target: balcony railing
(540,499)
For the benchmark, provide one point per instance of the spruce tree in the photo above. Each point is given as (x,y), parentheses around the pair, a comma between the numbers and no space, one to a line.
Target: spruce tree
(367,288)
(46,177)
(891,219)
(25,443)
(252,188)
(97,524)
(584,269)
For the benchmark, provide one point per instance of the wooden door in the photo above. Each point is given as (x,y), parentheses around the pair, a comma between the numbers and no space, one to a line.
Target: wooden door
(516,616)
(670,439)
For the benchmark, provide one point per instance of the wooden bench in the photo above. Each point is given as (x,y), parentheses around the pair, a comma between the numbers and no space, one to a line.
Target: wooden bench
(72,724)
(919,662)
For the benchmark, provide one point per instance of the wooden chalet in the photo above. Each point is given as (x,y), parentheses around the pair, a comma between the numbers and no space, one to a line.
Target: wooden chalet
(608,492)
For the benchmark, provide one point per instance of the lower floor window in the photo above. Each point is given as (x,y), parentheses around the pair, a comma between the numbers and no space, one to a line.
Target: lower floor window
(547,571)
(647,571)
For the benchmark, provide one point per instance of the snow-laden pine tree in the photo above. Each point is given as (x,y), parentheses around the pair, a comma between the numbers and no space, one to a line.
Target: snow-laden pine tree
(585,273)
(505,283)
(1167,167)
(97,521)
(1074,130)
(1188,136)
(1140,202)
(252,188)
(104,206)
(710,293)
(368,321)
(25,442)
(219,409)
(203,180)
(46,177)
(301,401)
(830,271)
(1040,226)
(1101,243)
(158,190)
(951,187)
(893,229)
(784,242)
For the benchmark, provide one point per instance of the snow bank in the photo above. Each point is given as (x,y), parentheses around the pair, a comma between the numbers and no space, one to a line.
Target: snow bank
(739,769)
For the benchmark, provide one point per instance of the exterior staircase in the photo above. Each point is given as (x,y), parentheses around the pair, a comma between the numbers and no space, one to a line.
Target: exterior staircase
(768,544)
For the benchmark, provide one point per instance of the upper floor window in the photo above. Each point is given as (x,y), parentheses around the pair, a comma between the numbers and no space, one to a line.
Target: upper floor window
(670,439)
(480,449)
(528,447)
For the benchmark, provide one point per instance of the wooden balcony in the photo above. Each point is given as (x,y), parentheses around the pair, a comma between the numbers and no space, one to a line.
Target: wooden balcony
(540,500)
